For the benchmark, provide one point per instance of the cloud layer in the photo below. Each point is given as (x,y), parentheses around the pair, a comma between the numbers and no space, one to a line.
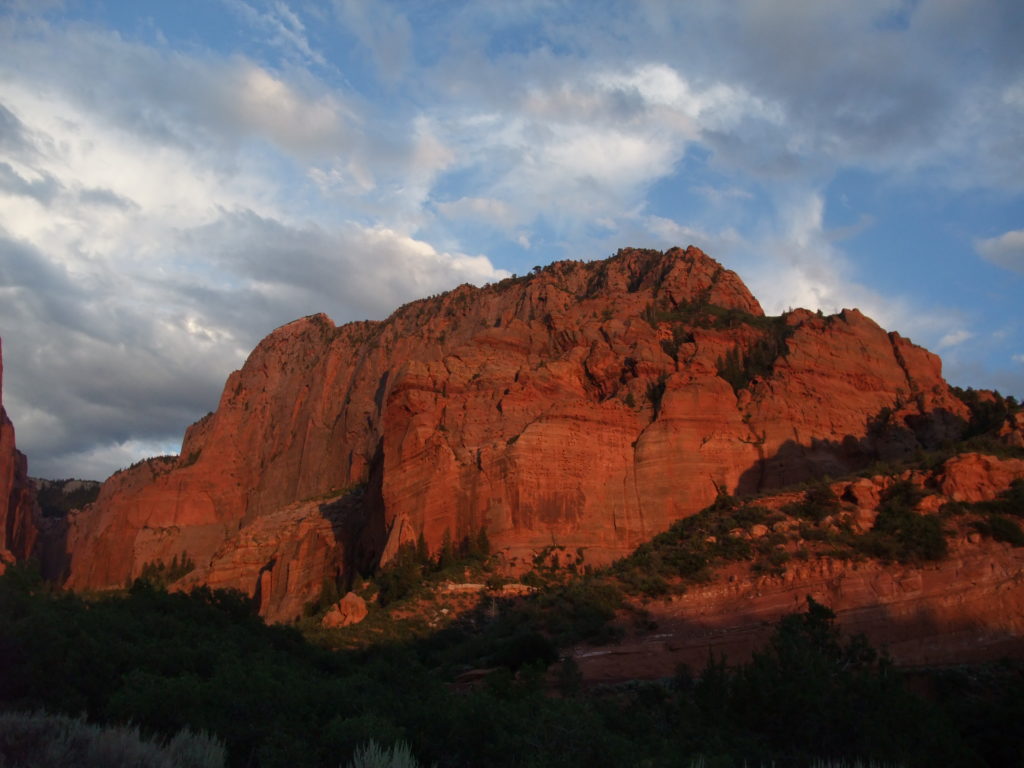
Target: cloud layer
(167,200)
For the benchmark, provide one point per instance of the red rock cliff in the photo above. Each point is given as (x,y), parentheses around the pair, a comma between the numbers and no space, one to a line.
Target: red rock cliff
(585,405)
(968,607)
(17,497)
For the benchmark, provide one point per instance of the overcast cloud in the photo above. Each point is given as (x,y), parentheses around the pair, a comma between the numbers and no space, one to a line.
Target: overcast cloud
(171,192)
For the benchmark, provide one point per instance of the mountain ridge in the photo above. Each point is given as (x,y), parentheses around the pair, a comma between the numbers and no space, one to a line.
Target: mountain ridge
(588,404)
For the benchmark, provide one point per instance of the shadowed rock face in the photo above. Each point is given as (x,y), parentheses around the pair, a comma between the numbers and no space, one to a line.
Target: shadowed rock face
(582,406)
(18,529)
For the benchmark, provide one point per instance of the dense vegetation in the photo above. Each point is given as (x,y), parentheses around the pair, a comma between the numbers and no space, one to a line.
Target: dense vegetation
(160,574)
(394,689)
(988,410)
(740,366)
(205,662)
(58,497)
(732,530)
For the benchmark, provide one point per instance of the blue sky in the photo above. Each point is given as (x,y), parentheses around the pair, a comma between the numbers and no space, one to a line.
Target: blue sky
(178,179)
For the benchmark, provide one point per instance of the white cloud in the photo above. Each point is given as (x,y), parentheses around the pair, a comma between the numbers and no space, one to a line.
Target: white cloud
(154,227)
(797,263)
(98,461)
(572,147)
(1006,250)
(953,338)
(161,209)
(208,104)
(497,213)
(1018,358)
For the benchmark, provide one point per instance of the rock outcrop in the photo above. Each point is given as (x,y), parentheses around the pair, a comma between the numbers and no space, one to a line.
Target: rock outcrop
(587,405)
(18,524)
(351,609)
(968,607)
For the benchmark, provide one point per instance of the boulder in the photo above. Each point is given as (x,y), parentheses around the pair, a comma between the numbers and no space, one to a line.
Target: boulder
(351,609)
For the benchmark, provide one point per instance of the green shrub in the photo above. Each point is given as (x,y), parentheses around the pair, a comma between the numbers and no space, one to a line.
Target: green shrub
(818,503)
(42,740)
(373,755)
(161,574)
(900,532)
(1009,502)
(402,576)
(986,414)
(741,366)
(1002,528)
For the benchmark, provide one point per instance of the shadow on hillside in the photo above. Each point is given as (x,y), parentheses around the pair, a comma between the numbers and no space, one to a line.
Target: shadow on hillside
(886,440)
(51,549)
(911,636)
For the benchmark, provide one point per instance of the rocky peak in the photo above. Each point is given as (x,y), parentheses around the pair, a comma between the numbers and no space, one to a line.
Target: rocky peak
(587,404)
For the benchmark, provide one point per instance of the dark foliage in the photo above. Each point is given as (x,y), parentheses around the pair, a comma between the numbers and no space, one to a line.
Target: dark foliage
(741,366)
(818,503)
(692,547)
(413,567)
(900,532)
(1001,528)
(56,501)
(987,413)
(160,574)
(203,661)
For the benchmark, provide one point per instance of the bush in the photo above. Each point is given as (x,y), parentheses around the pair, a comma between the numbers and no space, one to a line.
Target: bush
(43,740)
(741,366)
(818,503)
(402,576)
(986,414)
(1002,529)
(900,532)
(160,574)
(1009,502)
(373,755)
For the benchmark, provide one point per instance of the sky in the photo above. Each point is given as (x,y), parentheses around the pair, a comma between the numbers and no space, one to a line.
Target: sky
(177,179)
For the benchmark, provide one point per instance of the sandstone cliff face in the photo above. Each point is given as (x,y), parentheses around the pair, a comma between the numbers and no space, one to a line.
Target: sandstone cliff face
(967,608)
(18,528)
(582,406)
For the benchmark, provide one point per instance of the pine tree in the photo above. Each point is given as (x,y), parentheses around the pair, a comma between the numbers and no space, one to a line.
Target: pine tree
(422,550)
(448,556)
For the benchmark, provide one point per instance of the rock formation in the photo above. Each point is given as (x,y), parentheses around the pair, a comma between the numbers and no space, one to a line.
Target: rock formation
(968,607)
(587,405)
(351,609)
(18,528)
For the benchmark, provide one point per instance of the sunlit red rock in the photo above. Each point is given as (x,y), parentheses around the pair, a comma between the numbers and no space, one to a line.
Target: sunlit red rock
(580,406)
(968,607)
(351,609)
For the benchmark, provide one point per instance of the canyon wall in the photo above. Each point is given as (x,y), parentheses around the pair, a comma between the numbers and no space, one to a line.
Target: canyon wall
(18,529)
(586,405)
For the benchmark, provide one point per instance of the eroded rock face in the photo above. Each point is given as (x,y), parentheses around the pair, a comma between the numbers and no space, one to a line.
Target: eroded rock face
(18,513)
(969,607)
(582,406)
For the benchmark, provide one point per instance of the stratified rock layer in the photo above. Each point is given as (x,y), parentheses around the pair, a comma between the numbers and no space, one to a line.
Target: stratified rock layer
(968,607)
(581,406)
(18,529)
